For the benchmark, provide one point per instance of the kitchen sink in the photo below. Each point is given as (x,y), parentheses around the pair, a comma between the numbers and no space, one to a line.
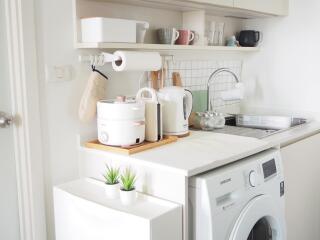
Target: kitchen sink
(259,126)
(265,122)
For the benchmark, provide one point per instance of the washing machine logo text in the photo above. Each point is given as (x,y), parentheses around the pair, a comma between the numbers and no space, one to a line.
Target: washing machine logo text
(225,181)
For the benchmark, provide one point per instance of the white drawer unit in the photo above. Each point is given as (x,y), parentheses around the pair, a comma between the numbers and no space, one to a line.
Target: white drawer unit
(82,212)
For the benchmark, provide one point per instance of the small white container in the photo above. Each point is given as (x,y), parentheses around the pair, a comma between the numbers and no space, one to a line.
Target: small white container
(128,197)
(112,190)
(99,29)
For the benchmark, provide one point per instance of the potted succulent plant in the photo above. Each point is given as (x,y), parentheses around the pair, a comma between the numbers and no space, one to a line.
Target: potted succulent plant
(112,185)
(128,192)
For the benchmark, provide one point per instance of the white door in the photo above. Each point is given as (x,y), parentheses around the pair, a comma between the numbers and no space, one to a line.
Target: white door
(9,215)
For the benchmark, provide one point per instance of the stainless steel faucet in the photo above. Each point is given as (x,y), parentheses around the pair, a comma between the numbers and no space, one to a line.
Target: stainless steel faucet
(212,78)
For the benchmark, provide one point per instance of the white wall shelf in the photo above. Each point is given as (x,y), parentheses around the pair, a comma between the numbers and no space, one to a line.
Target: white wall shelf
(159,47)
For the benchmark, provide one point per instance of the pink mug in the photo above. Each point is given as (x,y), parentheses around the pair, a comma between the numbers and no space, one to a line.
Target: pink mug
(185,37)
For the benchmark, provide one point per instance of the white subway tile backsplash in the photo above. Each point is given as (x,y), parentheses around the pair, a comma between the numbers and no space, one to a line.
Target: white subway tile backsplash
(195,74)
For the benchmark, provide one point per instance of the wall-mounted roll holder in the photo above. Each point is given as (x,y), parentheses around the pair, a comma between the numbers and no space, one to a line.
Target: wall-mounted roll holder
(115,60)
(104,58)
(99,60)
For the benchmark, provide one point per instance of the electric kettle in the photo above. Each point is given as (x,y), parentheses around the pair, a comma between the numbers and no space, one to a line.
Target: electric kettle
(177,107)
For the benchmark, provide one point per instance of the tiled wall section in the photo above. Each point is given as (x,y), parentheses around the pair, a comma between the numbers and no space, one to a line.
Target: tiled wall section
(195,75)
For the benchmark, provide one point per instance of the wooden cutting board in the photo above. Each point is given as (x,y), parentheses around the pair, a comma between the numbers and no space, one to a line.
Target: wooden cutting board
(131,149)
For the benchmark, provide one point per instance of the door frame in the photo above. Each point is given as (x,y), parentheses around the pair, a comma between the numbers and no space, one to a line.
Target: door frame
(23,72)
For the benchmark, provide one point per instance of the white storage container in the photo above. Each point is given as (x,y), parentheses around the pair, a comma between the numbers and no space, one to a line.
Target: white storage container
(99,29)
(82,212)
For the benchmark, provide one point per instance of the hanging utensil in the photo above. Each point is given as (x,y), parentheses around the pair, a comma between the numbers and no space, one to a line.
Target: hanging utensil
(176,79)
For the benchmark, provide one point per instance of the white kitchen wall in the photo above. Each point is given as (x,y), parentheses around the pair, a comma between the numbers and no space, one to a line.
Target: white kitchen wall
(59,100)
(284,76)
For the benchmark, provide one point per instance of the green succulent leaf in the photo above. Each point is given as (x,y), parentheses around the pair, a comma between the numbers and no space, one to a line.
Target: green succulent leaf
(128,179)
(111,175)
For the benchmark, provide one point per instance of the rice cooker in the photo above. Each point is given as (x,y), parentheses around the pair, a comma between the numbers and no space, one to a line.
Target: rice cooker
(121,122)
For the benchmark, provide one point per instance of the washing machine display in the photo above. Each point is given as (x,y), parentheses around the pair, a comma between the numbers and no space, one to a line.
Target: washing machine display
(269,168)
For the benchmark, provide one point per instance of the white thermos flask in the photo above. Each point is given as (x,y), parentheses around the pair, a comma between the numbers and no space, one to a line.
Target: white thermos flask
(153,114)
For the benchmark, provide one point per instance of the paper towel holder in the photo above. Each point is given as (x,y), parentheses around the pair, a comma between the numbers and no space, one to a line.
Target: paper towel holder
(99,60)
(103,58)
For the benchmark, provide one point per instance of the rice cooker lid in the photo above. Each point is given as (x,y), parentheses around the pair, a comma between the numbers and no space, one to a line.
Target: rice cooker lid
(120,100)
(121,108)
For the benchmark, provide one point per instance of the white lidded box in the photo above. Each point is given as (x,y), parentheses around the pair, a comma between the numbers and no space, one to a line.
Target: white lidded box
(100,29)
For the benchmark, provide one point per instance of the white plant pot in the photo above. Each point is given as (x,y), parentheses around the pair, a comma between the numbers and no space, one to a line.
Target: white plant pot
(112,190)
(128,197)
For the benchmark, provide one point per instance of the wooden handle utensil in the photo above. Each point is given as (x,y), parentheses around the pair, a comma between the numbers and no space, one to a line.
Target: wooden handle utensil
(154,80)
(176,79)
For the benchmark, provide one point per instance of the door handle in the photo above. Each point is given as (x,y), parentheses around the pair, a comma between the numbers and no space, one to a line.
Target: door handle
(5,120)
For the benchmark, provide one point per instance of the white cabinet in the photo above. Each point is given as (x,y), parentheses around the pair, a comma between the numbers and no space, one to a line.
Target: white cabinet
(275,7)
(82,212)
(222,3)
(302,181)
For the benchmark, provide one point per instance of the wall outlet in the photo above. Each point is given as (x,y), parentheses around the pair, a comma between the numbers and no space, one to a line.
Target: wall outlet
(58,73)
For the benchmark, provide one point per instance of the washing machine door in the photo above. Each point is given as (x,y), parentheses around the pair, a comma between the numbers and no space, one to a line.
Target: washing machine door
(261,219)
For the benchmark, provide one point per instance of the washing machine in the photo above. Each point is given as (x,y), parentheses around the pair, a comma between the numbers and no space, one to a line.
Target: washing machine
(240,201)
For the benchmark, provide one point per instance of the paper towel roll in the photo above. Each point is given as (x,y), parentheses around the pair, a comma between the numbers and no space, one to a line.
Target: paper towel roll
(137,61)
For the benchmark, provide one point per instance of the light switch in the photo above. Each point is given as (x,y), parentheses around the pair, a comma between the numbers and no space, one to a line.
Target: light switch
(58,73)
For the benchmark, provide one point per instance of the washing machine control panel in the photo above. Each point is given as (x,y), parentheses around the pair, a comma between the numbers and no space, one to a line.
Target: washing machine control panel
(260,173)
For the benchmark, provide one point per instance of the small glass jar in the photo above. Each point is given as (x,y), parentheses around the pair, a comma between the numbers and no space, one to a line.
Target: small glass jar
(197,120)
(209,121)
(220,120)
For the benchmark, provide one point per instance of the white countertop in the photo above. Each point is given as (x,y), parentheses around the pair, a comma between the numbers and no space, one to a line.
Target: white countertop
(295,134)
(204,151)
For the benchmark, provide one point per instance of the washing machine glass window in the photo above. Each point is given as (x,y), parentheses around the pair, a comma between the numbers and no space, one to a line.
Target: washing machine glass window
(261,230)
(259,220)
